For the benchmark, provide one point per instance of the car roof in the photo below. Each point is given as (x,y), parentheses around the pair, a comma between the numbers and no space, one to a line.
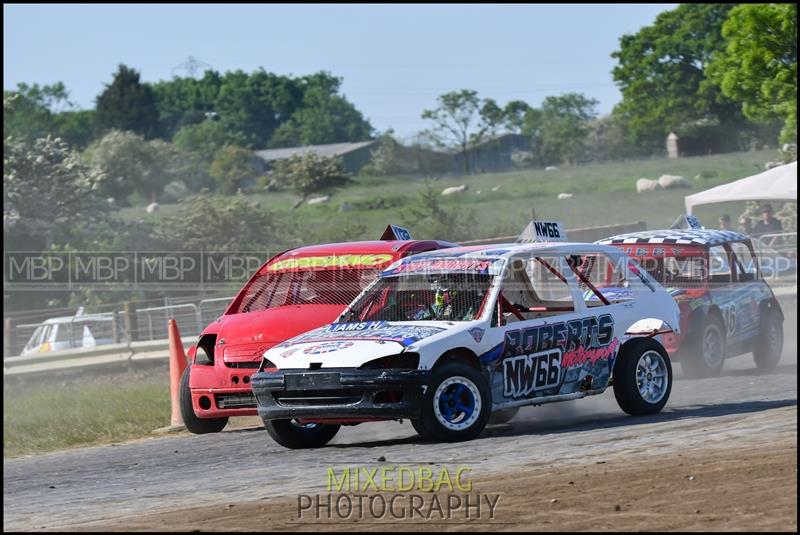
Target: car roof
(394,247)
(677,237)
(507,250)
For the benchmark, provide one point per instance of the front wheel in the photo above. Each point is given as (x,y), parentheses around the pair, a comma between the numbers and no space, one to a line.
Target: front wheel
(456,405)
(642,377)
(198,426)
(295,435)
(769,344)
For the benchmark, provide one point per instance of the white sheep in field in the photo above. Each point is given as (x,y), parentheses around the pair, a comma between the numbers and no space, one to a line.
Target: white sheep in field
(455,189)
(645,184)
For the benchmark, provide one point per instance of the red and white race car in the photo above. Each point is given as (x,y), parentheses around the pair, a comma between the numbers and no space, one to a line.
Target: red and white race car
(296,291)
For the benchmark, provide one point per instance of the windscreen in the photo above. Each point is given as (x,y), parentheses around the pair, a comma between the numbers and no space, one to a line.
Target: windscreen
(311,287)
(423,297)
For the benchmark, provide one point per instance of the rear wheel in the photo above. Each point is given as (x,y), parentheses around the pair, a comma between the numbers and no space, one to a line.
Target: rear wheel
(198,426)
(456,405)
(769,345)
(295,435)
(503,417)
(642,377)
(706,354)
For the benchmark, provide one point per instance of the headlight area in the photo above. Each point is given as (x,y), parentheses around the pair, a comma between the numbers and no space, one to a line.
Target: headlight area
(204,354)
(401,361)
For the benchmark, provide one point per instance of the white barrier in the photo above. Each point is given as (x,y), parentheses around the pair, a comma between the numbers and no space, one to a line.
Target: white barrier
(120,355)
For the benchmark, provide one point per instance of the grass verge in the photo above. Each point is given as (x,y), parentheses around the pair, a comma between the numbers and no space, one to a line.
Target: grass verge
(40,417)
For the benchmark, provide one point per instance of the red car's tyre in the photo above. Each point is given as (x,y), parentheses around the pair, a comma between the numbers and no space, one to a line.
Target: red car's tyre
(198,426)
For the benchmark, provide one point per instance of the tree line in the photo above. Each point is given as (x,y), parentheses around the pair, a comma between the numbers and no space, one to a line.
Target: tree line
(254,110)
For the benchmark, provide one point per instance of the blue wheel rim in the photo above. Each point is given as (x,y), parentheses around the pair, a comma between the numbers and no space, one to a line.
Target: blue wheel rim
(457,403)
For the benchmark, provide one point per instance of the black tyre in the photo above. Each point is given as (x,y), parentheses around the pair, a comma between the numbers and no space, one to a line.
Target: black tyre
(503,417)
(642,377)
(418,427)
(769,345)
(706,350)
(198,426)
(296,436)
(456,405)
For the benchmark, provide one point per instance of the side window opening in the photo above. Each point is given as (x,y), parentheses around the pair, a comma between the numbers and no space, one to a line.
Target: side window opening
(720,269)
(746,264)
(534,288)
(602,280)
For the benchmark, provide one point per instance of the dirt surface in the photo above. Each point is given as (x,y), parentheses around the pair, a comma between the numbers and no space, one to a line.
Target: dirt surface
(736,489)
(735,435)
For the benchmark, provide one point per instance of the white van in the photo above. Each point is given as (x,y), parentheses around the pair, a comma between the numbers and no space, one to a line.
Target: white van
(69,332)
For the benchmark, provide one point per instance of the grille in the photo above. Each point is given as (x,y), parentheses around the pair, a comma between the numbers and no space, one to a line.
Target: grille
(236,401)
(321,287)
(321,398)
(250,365)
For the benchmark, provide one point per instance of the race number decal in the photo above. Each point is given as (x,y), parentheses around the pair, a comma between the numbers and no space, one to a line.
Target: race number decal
(693,222)
(526,374)
(393,232)
(543,231)
(729,317)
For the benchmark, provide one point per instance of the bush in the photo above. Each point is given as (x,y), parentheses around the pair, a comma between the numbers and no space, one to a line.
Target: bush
(309,174)
(233,168)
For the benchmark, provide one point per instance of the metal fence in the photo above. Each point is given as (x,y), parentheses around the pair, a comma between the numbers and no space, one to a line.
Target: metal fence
(781,242)
(126,324)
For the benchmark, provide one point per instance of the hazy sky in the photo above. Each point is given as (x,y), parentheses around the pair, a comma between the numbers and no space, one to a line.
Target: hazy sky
(395,59)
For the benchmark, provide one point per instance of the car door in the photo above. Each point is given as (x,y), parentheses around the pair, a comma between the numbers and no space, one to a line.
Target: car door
(551,342)
(748,292)
(609,299)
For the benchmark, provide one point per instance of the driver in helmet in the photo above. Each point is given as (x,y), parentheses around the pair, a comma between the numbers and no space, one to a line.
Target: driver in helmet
(444,301)
(450,303)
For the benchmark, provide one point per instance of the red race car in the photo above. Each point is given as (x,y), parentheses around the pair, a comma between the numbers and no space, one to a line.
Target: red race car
(294,292)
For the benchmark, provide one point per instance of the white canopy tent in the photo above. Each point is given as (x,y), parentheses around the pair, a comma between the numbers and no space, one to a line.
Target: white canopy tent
(777,184)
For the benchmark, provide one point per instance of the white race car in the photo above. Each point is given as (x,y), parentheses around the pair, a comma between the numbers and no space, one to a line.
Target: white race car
(451,338)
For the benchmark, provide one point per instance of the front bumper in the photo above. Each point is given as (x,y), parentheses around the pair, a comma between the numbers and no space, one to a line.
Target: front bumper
(339,393)
(220,391)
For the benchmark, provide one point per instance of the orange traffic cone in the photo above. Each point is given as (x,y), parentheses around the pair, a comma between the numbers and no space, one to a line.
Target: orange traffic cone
(177,365)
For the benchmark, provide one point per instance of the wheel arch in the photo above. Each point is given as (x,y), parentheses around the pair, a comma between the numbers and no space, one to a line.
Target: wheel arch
(649,327)
(771,304)
(459,354)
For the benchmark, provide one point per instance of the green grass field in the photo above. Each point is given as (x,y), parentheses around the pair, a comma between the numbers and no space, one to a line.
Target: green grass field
(602,194)
(43,417)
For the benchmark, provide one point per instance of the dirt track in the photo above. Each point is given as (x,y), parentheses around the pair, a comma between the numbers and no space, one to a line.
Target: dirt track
(736,435)
(730,489)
